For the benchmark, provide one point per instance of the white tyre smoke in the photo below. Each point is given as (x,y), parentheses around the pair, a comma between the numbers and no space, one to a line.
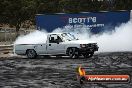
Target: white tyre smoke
(35,37)
(117,41)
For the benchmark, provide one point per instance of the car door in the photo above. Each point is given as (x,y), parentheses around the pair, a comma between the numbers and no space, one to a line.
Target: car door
(60,46)
(52,44)
(55,45)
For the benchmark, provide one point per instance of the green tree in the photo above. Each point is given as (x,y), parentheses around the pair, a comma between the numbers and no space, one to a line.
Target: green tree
(15,12)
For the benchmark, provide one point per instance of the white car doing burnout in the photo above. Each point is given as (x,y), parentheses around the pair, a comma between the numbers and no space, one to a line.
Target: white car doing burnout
(58,44)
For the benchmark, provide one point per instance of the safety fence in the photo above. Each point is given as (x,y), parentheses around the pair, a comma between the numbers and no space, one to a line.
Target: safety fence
(8,35)
(5,49)
(7,38)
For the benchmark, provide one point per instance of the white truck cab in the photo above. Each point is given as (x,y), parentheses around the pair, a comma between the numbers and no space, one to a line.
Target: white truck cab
(58,44)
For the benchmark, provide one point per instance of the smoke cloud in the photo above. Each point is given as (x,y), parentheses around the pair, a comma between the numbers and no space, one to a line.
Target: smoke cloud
(35,37)
(116,41)
(111,41)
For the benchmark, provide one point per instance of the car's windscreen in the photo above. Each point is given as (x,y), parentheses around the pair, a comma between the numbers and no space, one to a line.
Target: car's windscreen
(68,36)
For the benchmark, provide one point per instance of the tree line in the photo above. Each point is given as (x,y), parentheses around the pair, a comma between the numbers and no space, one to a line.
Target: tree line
(16,12)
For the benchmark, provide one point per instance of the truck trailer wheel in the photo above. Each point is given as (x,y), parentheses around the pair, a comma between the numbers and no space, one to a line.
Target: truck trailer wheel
(31,53)
(73,52)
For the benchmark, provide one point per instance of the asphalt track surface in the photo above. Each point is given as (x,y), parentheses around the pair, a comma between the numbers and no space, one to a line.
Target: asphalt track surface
(60,72)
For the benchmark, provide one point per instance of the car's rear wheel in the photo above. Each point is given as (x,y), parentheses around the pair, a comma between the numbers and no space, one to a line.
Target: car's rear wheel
(31,53)
(73,53)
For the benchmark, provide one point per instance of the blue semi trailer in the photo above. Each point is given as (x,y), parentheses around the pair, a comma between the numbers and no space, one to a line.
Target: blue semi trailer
(96,21)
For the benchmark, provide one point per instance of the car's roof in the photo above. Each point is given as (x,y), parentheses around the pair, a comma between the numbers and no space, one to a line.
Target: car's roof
(57,33)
